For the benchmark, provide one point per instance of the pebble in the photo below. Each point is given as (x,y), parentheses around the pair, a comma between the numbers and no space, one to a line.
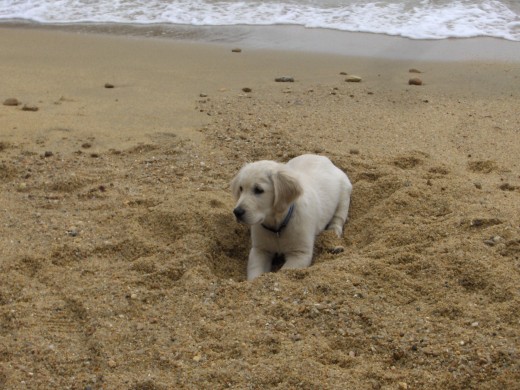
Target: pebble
(354,151)
(108,85)
(29,108)
(507,187)
(296,337)
(73,232)
(246,89)
(415,81)
(236,50)
(489,242)
(343,73)
(112,363)
(492,241)
(48,153)
(203,95)
(11,102)
(403,386)
(284,79)
(353,79)
(413,70)
(478,185)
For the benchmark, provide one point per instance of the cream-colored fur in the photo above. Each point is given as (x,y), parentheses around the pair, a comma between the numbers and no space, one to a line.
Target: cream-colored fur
(265,190)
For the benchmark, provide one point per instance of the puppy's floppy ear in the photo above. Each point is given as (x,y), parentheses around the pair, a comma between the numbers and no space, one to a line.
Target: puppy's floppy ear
(235,186)
(286,189)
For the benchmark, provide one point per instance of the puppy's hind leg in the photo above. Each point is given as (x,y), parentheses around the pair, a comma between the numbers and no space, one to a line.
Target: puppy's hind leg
(341,214)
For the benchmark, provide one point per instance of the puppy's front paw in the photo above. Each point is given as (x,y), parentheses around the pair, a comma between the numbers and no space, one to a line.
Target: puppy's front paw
(336,250)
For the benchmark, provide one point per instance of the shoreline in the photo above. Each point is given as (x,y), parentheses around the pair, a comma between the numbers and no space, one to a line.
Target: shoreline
(312,40)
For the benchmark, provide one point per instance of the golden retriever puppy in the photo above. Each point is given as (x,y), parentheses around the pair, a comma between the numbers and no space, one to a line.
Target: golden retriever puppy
(287,206)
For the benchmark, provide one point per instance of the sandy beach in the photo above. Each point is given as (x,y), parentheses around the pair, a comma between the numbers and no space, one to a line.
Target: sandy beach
(121,266)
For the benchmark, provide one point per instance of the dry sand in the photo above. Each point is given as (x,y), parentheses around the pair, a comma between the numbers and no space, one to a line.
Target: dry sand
(122,268)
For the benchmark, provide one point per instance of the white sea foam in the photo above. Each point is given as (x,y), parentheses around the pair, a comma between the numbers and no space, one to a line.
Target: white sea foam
(416,19)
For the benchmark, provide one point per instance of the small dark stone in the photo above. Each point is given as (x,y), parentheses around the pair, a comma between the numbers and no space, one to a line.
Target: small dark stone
(11,102)
(48,153)
(415,81)
(246,89)
(29,108)
(236,50)
(507,187)
(284,79)
(86,145)
(108,85)
(353,79)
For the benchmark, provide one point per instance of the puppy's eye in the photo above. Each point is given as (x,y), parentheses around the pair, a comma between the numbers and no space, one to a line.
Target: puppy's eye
(258,190)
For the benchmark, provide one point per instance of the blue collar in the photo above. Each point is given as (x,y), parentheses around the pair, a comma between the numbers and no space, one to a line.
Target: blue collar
(284,224)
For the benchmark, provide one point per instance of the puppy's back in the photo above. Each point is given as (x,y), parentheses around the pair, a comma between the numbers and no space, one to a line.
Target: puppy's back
(315,167)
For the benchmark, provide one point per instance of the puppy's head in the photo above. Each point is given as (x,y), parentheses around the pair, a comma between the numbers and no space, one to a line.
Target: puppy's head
(263,189)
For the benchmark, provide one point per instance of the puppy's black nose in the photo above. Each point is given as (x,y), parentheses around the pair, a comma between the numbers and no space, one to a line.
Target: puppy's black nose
(239,212)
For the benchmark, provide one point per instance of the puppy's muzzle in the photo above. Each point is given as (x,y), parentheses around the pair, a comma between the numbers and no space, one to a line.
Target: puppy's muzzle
(239,213)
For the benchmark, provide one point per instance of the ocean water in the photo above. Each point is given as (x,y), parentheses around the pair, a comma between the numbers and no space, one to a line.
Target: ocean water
(415,19)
